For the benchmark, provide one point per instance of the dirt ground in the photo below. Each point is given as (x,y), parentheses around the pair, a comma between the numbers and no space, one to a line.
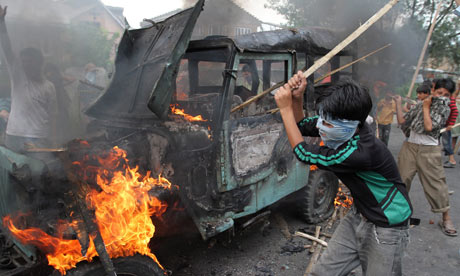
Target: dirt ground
(263,250)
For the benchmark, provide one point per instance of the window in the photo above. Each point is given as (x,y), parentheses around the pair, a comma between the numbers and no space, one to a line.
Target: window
(242,31)
(182,81)
(253,77)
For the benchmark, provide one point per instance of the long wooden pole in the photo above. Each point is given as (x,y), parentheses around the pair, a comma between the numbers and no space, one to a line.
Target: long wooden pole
(351,63)
(422,54)
(445,129)
(324,76)
(320,62)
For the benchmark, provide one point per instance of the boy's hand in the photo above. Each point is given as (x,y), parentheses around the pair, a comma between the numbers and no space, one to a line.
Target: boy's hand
(283,97)
(3,12)
(427,101)
(397,99)
(298,84)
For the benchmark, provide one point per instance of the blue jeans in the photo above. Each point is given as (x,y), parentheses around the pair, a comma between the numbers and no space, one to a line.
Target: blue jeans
(357,241)
(384,133)
(447,143)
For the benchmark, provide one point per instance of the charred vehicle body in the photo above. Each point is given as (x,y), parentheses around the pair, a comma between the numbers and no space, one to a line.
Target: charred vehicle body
(169,106)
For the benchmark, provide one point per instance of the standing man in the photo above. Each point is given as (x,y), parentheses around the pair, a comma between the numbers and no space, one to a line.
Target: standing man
(447,135)
(33,98)
(386,108)
(374,233)
(421,153)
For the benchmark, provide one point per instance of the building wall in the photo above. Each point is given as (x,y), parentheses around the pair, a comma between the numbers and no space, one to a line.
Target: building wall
(223,17)
(102,18)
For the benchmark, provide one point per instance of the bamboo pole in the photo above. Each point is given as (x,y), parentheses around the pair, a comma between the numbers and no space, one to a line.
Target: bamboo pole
(422,54)
(445,129)
(351,63)
(310,237)
(361,29)
(278,85)
(330,73)
(320,62)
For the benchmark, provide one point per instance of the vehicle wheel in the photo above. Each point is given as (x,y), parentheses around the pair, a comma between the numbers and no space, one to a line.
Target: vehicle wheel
(136,265)
(316,200)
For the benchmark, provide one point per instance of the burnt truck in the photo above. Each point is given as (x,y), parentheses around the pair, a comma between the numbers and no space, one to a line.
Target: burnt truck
(169,105)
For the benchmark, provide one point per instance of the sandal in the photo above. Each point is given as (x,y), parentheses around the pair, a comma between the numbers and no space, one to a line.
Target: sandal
(448,228)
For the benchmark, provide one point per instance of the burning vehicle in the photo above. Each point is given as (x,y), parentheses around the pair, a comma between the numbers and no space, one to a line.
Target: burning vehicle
(164,132)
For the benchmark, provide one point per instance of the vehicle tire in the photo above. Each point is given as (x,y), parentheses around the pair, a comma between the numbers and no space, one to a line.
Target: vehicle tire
(137,265)
(316,200)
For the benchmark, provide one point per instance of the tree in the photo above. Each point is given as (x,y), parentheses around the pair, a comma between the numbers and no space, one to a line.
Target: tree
(444,44)
(86,42)
(410,19)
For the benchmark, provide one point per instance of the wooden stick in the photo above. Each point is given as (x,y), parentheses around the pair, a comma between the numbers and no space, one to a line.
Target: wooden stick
(351,63)
(303,235)
(445,129)
(317,231)
(320,62)
(409,100)
(456,147)
(331,220)
(313,260)
(322,234)
(283,225)
(361,29)
(322,77)
(422,54)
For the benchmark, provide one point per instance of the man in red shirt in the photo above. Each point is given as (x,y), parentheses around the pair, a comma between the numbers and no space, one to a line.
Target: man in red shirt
(447,135)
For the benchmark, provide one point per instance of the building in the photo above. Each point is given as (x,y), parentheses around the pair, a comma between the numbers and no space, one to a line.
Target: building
(42,23)
(219,17)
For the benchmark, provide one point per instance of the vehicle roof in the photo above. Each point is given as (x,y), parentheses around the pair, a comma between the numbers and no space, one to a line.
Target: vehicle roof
(315,41)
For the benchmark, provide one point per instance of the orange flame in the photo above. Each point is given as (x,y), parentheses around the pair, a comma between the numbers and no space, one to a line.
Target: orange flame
(123,209)
(342,199)
(187,117)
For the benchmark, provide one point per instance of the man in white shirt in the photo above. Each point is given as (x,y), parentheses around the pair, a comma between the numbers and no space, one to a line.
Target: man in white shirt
(421,153)
(33,98)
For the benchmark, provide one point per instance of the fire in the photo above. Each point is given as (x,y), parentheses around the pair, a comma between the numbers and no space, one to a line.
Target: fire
(123,207)
(187,117)
(342,199)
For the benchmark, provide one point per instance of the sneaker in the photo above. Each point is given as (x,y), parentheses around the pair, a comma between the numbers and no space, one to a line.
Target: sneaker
(449,165)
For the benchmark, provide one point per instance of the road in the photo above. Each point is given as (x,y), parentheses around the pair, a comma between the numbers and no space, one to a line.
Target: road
(262,250)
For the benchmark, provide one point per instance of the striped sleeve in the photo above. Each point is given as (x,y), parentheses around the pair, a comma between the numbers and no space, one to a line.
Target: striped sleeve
(453,113)
(307,126)
(327,158)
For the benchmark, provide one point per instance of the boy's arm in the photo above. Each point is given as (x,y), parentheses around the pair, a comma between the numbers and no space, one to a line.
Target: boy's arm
(427,123)
(454,113)
(399,113)
(4,38)
(299,83)
(284,101)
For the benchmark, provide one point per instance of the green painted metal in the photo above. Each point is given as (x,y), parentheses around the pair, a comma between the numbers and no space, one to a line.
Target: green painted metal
(10,199)
(267,186)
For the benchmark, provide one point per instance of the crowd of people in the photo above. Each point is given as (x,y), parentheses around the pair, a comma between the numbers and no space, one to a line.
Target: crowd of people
(375,233)
(40,111)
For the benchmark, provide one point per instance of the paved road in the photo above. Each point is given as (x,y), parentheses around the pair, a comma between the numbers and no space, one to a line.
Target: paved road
(263,250)
(430,252)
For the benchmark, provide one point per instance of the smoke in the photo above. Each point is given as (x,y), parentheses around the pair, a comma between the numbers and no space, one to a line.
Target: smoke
(344,16)
(188,3)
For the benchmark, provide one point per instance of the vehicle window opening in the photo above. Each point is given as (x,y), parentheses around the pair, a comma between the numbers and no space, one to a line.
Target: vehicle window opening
(255,76)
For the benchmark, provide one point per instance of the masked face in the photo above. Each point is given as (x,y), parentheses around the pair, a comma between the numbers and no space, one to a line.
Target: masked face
(335,132)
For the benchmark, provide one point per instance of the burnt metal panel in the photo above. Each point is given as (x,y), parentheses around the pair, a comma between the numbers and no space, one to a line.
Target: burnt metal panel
(146,66)
(315,41)
(13,194)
